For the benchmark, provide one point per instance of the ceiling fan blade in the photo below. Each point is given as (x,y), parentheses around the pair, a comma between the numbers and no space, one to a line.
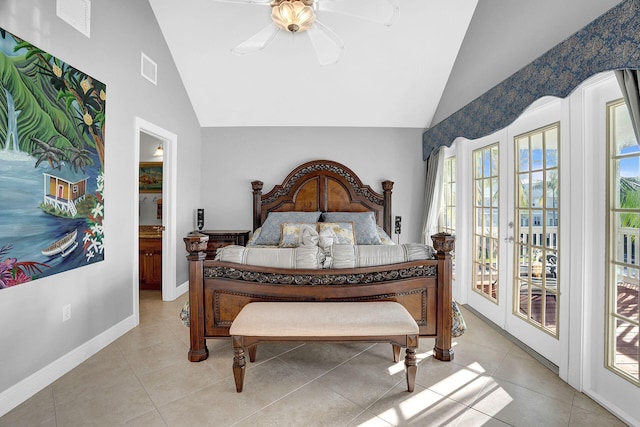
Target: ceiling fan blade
(263,2)
(258,41)
(379,11)
(326,43)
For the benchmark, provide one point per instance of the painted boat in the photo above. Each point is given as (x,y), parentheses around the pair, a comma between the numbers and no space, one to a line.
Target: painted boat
(71,249)
(62,244)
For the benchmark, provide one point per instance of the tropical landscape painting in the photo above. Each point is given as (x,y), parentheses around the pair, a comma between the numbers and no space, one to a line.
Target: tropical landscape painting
(51,164)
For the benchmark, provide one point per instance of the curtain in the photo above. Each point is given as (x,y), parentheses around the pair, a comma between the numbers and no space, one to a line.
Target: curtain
(433,189)
(628,80)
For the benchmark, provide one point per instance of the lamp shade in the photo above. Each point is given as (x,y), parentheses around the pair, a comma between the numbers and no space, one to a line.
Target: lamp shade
(294,16)
(159,151)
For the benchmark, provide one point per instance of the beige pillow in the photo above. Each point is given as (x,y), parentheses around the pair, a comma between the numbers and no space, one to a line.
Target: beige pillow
(294,234)
(343,230)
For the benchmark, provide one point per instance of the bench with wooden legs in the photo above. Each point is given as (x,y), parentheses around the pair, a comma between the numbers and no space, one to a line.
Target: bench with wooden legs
(379,321)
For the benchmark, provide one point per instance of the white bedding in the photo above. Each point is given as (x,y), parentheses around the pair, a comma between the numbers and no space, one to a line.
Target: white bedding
(311,257)
(314,257)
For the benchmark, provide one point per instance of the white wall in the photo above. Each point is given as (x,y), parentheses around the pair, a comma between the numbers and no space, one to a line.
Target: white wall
(233,157)
(506,35)
(36,346)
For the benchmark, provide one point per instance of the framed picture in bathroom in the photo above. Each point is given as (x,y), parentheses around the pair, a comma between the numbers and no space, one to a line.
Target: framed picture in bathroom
(150,177)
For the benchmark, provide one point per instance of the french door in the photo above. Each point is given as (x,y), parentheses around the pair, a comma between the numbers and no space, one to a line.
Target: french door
(516,236)
(610,365)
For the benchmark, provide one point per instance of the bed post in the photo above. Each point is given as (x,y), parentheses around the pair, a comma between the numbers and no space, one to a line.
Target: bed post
(257,203)
(444,243)
(196,244)
(387,186)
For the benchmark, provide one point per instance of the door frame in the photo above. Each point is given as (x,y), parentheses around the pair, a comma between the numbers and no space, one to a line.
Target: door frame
(169,208)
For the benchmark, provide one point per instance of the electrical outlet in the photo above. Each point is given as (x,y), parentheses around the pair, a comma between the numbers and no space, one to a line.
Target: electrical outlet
(66,312)
(398,226)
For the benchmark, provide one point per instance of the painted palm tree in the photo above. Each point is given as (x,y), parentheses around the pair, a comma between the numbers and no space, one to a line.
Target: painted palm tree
(80,158)
(49,152)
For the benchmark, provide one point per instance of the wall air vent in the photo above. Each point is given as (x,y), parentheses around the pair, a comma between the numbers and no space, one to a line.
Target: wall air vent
(149,69)
(76,13)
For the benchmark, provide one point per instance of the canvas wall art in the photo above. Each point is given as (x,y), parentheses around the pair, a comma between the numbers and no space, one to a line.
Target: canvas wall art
(150,177)
(51,164)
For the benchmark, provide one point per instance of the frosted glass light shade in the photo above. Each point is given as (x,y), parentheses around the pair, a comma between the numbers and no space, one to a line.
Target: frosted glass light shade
(294,16)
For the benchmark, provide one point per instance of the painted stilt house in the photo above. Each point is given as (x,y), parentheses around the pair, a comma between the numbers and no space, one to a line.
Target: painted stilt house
(64,188)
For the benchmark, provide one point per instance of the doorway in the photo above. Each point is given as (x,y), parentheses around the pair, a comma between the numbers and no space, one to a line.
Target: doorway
(146,131)
(150,215)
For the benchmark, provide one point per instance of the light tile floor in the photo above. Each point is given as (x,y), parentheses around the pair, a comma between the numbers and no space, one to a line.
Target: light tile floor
(144,379)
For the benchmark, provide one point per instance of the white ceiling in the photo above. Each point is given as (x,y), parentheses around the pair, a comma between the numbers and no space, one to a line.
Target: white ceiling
(387,77)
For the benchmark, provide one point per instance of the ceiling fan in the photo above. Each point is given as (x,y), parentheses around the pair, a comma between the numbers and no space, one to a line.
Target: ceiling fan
(297,16)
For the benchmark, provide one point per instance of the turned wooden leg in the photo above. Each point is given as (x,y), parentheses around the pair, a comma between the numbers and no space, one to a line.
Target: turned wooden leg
(412,367)
(238,363)
(396,352)
(253,349)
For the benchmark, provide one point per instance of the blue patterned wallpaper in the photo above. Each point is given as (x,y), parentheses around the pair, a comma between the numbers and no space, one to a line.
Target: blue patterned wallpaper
(610,42)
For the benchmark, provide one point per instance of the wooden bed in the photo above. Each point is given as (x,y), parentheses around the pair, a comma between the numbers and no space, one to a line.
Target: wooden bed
(219,290)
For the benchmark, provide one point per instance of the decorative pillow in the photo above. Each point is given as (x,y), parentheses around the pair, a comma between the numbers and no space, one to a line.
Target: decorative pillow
(309,235)
(343,231)
(296,234)
(326,239)
(270,233)
(254,236)
(364,225)
(384,237)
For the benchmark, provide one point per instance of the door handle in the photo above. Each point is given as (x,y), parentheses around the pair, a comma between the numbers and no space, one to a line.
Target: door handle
(509,239)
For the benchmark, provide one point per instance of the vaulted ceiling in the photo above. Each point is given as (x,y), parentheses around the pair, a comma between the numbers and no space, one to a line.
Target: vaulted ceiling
(387,77)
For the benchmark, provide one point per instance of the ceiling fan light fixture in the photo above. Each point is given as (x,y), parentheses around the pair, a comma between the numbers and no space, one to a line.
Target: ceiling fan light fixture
(293,15)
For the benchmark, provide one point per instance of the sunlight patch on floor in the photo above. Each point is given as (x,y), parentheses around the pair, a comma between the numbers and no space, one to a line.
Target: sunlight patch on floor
(415,406)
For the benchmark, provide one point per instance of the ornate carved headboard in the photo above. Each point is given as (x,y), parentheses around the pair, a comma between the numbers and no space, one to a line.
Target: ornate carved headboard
(322,185)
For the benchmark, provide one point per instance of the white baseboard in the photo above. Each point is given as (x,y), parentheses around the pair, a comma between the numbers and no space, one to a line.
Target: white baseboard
(612,407)
(15,395)
(182,289)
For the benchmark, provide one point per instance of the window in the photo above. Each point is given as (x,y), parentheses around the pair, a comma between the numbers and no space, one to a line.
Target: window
(536,252)
(448,213)
(448,217)
(74,189)
(623,225)
(486,221)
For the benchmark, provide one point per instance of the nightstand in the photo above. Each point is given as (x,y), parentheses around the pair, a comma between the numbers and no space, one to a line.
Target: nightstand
(220,238)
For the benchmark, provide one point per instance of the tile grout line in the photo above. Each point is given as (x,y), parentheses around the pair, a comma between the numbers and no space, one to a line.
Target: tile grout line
(310,381)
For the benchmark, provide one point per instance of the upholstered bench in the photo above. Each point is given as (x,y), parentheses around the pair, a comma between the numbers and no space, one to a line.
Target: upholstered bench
(380,321)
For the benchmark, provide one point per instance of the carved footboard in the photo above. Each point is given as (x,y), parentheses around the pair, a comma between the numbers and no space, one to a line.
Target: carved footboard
(218,291)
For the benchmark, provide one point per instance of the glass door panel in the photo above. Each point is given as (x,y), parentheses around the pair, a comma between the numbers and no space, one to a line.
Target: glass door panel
(623,315)
(535,250)
(486,222)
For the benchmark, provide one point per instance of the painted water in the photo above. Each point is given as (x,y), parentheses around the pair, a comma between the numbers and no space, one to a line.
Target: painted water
(27,227)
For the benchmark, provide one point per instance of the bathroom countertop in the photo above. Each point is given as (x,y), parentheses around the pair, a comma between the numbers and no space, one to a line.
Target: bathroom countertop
(150,232)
